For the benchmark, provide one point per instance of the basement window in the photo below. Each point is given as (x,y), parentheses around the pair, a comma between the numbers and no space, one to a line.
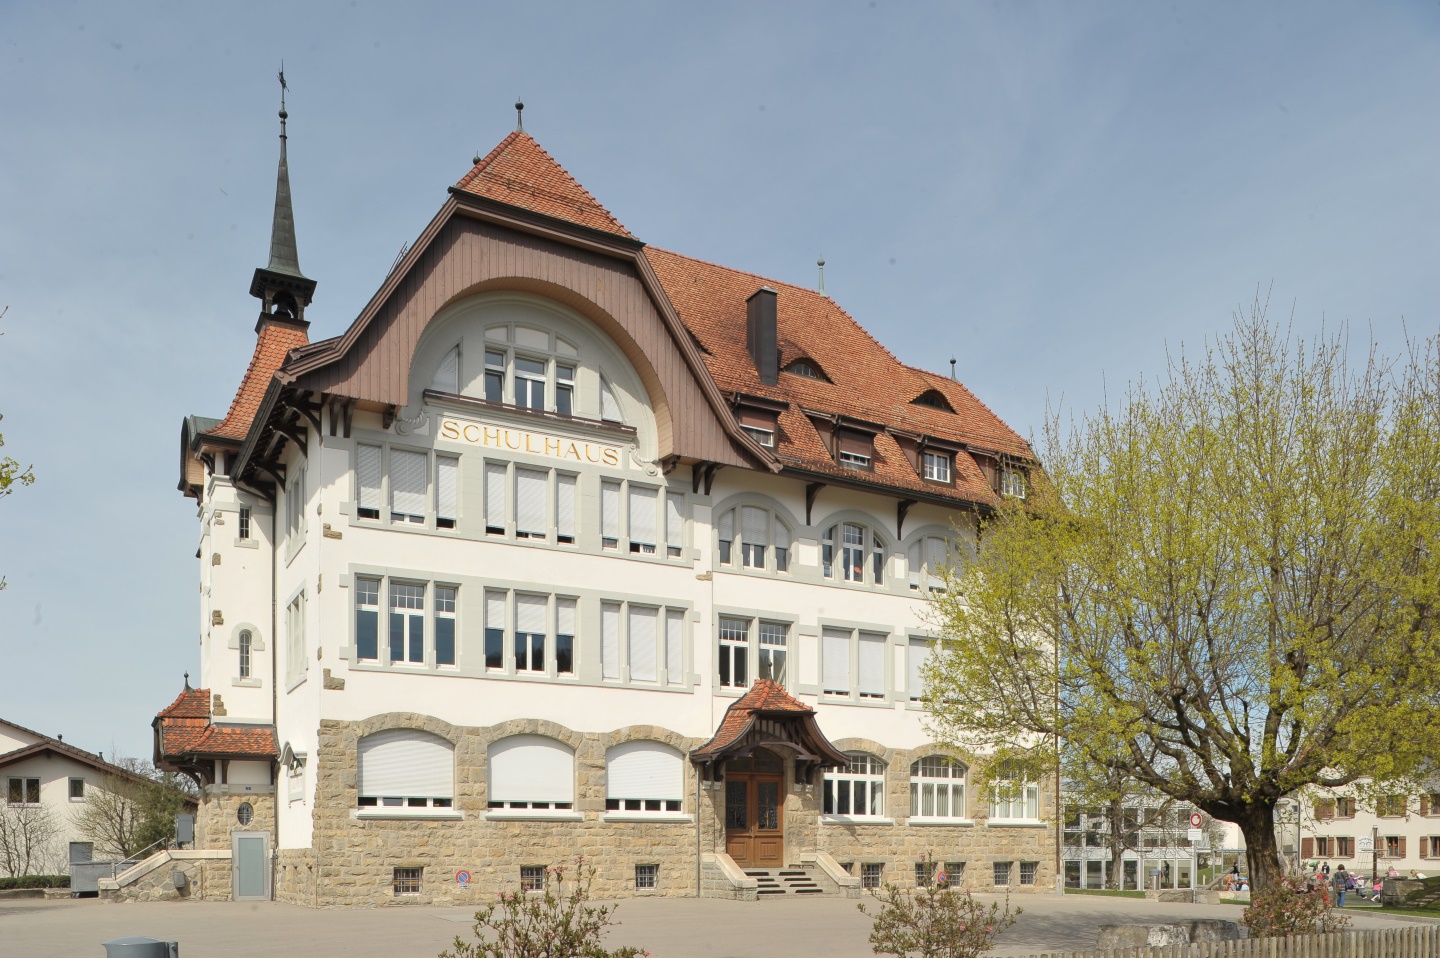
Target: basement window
(532,877)
(870,874)
(406,881)
(647,876)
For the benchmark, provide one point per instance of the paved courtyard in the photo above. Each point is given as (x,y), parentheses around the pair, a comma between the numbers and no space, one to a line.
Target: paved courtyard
(670,928)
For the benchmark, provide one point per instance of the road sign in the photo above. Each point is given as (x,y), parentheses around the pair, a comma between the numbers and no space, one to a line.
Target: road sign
(462,877)
(1364,846)
(1195,834)
(1196,820)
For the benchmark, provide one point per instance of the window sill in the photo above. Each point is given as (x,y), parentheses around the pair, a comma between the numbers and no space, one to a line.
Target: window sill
(532,815)
(247,543)
(1015,823)
(405,814)
(667,817)
(935,822)
(250,683)
(855,820)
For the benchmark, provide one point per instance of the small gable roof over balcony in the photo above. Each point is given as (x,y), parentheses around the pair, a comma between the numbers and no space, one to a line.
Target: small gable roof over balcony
(769,717)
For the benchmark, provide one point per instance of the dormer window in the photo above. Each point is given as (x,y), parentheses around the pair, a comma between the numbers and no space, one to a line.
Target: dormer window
(934,399)
(855,450)
(1013,482)
(759,417)
(808,368)
(765,437)
(937,466)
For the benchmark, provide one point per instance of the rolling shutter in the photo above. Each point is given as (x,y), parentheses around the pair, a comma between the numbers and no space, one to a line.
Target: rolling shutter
(367,476)
(644,770)
(565,505)
(531,768)
(642,644)
(913,562)
(447,472)
(530,614)
(565,617)
(936,552)
(530,488)
(835,661)
(447,374)
(610,509)
(642,515)
(404,763)
(495,610)
(872,664)
(407,482)
(609,408)
(495,495)
(609,640)
(782,535)
(752,525)
(674,638)
(674,521)
(919,652)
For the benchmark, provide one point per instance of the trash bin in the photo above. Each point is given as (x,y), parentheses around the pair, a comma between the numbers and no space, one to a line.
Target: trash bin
(137,947)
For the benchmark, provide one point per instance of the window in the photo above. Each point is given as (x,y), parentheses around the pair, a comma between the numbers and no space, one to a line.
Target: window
(926,562)
(1344,848)
(934,399)
(642,520)
(937,788)
(675,646)
(295,781)
(531,486)
(1002,872)
(734,644)
(1394,846)
(245,813)
(564,389)
(853,449)
(1013,482)
(565,636)
(609,514)
(846,543)
(495,498)
(646,876)
(765,437)
(367,619)
(870,874)
(854,460)
(858,790)
(531,772)
(532,877)
(447,503)
(1322,846)
(77,789)
(937,466)
(610,641)
(807,368)
(445,624)
(1391,806)
(406,881)
(407,622)
(954,875)
(494,375)
(918,653)
(494,630)
(1429,847)
(773,642)
(1430,804)
(295,636)
(835,663)
(764,539)
(245,640)
(295,505)
(409,479)
(367,481)
(530,383)
(564,508)
(1324,808)
(922,875)
(1014,798)
(1027,872)
(1344,808)
(539,373)
(644,651)
(644,777)
(23,791)
(447,374)
(609,406)
(244,522)
(529,645)
(871,660)
(403,768)
(674,524)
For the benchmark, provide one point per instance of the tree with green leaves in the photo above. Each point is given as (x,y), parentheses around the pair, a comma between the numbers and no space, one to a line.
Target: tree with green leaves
(1225,586)
(11,472)
(127,814)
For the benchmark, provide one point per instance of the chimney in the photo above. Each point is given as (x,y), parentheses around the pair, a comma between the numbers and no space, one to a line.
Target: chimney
(760,334)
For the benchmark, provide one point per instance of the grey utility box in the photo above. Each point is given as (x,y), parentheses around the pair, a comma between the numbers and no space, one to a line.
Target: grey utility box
(141,948)
(185,829)
(85,877)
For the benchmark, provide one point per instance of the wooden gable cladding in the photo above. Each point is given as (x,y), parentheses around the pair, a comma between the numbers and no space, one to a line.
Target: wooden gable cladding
(463,256)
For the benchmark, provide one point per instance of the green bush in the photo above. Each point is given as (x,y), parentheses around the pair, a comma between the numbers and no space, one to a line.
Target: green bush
(1292,906)
(35,881)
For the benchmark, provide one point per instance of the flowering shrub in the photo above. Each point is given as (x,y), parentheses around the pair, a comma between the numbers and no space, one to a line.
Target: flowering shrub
(1292,906)
(555,923)
(935,922)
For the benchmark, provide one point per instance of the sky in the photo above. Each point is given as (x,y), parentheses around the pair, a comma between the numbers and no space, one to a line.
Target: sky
(1053,194)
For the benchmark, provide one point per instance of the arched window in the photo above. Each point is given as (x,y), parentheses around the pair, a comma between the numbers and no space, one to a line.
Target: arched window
(405,768)
(808,368)
(532,368)
(937,788)
(644,777)
(927,556)
(934,399)
(1014,798)
(531,772)
(858,789)
(447,374)
(245,640)
(844,552)
(764,539)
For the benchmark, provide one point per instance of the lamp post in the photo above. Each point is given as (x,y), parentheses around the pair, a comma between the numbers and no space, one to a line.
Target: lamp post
(1374,854)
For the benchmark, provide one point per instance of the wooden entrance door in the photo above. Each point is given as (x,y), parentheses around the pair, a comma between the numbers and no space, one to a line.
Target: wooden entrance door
(755,812)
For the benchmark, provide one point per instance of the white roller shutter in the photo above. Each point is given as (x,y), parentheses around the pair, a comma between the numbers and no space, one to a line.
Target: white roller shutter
(495,610)
(674,653)
(495,495)
(752,525)
(872,664)
(609,408)
(407,482)
(727,526)
(531,768)
(367,476)
(642,515)
(912,562)
(936,554)
(405,763)
(447,374)
(835,660)
(447,472)
(610,509)
(674,520)
(565,617)
(530,486)
(565,505)
(642,644)
(610,641)
(782,535)
(530,614)
(919,652)
(644,770)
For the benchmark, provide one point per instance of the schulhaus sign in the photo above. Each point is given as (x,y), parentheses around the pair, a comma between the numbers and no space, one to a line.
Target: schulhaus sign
(523,440)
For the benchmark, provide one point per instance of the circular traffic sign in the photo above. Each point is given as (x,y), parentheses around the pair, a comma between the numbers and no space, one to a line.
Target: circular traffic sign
(462,877)
(1196,820)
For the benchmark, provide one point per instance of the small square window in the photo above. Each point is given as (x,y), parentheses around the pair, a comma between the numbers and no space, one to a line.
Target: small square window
(532,877)
(407,881)
(647,876)
(77,789)
(1027,872)
(937,466)
(922,875)
(765,437)
(1002,872)
(870,874)
(954,875)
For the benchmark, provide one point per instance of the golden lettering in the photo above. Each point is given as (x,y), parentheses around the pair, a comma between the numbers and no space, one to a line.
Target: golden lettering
(518,443)
(449,430)
(552,447)
(492,436)
(468,427)
(529,447)
(588,456)
(611,457)
(572,452)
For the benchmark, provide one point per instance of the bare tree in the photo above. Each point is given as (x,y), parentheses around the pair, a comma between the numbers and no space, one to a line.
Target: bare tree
(28,840)
(125,815)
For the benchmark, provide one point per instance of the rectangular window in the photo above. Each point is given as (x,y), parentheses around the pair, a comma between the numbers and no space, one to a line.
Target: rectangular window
(1012,483)
(447,501)
(646,876)
(295,505)
(922,875)
(1322,846)
(734,643)
(610,641)
(937,466)
(564,507)
(853,554)
(674,524)
(23,791)
(494,630)
(406,881)
(773,643)
(445,625)
(245,639)
(564,389)
(642,520)
(494,375)
(532,877)
(871,660)
(531,486)
(918,653)
(854,460)
(77,789)
(244,522)
(409,478)
(295,637)
(367,619)
(871,874)
(765,437)
(530,613)
(495,498)
(609,514)
(754,535)
(954,875)
(835,662)
(1027,872)
(367,481)
(1431,844)
(1344,848)
(1344,808)
(530,383)
(407,622)
(565,636)
(1394,847)
(1002,872)
(674,646)
(726,535)
(643,649)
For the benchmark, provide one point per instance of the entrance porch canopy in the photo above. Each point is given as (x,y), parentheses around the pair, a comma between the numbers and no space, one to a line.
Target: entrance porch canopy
(769,717)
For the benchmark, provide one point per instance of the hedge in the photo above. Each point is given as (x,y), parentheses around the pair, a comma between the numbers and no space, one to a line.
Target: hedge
(35,881)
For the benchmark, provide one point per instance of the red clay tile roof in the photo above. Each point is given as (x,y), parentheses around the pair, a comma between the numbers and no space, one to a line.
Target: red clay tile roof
(191,703)
(271,347)
(867,381)
(766,698)
(185,726)
(519,172)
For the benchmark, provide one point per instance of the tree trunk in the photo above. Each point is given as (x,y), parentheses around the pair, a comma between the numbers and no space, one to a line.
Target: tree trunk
(1257,824)
(1117,845)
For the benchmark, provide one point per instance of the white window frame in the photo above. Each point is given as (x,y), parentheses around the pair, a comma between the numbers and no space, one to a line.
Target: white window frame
(938,466)
(444,606)
(23,791)
(70,789)
(297,664)
(1011,793)
(1013,482)
(371,607)
(411,799)
(924,778)
(400,591)
(733,645)
(535,803)
(246,643)
(835,551)
(768,651)
(668,800)
(739,552)
(864,769)
(508,376)
(244,523)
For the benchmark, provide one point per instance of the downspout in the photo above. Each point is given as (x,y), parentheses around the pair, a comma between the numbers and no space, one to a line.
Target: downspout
(697,828)
(275,671)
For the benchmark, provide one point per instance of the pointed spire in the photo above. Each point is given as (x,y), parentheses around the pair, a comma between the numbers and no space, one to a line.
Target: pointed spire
(284,256)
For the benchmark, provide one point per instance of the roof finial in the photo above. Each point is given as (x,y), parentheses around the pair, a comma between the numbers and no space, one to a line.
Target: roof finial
(821,263)
(283,88)
(952,368)
(284,257)
(187,680)
(519,117)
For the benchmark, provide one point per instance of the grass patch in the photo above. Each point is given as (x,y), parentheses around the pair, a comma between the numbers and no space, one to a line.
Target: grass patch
(1105,892)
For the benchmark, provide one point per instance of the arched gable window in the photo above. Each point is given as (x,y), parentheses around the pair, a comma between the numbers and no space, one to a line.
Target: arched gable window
(933,398)
(405,768)
(807,367)
(532,368)
(853,552)
(927,556)
(858,789)
(937,788)
(763,539)
(447,374)
(531,772)
(644,777)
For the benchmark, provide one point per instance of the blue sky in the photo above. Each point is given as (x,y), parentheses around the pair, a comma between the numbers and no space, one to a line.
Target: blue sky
(1051,193)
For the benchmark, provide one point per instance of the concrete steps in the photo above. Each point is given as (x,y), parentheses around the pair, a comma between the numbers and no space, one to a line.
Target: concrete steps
(774,882)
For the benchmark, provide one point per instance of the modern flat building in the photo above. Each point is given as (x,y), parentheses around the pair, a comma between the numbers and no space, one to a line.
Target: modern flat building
(573,545)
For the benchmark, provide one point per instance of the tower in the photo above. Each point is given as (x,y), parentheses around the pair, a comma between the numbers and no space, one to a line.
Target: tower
(282,289)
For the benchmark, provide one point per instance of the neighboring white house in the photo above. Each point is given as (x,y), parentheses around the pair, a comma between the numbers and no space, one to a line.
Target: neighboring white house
(1402,829)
